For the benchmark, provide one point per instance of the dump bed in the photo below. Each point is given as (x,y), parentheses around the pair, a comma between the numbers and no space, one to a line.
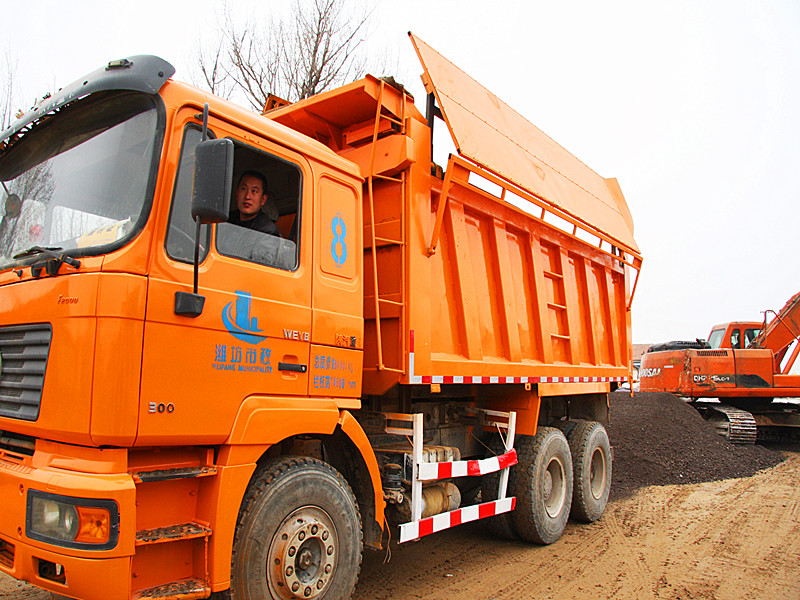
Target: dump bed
(511,265)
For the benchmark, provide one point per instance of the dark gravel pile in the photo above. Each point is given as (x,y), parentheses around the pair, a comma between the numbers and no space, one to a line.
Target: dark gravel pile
(659,439)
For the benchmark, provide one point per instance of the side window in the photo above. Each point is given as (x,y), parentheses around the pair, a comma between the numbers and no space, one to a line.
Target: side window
(735,341)
(264,223)
(749,336)
(181,229)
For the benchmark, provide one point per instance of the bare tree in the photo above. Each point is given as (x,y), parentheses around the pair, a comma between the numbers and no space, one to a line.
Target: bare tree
(317,46)
(35,188)
(7,72)
(212,70)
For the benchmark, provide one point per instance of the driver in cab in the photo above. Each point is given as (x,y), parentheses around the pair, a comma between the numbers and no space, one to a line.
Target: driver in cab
(251,195)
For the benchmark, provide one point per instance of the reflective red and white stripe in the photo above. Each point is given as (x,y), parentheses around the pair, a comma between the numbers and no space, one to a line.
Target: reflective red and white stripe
(462,468)
(474,379)
(440,522)
(482,379)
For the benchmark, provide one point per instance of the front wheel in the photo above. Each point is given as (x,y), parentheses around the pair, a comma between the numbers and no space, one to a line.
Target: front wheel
(299,534)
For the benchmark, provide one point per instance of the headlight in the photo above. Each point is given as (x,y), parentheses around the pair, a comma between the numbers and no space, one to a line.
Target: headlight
(72,522)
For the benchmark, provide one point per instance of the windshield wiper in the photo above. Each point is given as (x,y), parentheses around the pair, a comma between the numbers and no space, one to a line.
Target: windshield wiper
(52,252)
(34,250)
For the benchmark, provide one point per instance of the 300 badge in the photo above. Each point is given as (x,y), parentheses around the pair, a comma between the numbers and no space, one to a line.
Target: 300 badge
(160,407)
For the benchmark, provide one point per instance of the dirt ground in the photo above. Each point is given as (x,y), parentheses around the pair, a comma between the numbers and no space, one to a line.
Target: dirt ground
(713,537)
(730,539)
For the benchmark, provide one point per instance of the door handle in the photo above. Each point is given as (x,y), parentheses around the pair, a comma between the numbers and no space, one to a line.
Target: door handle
(282,366)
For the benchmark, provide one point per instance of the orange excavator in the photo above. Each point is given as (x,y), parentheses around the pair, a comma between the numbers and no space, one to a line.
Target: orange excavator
(745,365)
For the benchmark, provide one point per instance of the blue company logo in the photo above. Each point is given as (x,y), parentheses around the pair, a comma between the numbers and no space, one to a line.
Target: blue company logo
(338,247)
(238,322)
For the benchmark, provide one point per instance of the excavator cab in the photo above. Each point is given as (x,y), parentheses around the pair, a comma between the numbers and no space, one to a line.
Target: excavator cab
(735,335)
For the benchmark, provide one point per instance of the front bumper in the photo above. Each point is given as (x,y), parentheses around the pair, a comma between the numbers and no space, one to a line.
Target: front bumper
(78,573)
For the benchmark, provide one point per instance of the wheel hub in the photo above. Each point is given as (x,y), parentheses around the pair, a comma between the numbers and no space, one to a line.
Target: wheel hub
(554,491)
(597,474)
(303,555)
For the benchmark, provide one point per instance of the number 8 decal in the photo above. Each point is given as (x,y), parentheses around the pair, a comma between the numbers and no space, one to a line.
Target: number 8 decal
(338,246)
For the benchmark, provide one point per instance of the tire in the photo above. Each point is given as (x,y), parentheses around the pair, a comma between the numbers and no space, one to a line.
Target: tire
(543,486)
(298,535)
(591,466)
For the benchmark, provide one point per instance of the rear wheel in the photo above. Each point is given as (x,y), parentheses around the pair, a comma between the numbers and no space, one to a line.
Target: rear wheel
(544,487)
(591,465)
(542,484)
(299,534)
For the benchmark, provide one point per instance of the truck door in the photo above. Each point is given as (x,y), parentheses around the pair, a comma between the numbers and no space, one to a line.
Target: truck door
(253,336)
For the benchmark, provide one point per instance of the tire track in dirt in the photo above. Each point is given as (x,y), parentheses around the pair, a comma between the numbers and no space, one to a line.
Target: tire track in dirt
(720,539)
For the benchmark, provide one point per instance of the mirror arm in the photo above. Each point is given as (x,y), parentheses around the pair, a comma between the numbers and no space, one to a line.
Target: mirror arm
(191,305)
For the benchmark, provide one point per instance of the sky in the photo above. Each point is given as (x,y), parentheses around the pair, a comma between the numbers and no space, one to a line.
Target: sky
(693,106)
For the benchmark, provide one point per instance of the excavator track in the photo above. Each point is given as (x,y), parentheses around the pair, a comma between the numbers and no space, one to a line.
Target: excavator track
(734,424)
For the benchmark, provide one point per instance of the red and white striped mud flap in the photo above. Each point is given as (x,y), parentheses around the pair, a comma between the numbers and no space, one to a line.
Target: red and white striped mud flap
(440,522)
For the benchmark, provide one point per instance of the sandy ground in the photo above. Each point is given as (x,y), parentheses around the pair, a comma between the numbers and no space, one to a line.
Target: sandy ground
(736,538)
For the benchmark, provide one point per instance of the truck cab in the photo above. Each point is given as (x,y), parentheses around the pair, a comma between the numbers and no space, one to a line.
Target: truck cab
(120,412)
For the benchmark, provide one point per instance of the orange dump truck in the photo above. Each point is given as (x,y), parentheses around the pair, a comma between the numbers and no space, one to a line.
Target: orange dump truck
(191,404)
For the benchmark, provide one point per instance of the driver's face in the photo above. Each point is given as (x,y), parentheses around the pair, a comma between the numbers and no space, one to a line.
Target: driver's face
(250,197)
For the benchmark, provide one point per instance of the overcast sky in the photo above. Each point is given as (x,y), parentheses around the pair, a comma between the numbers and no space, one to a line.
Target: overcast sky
(693,106)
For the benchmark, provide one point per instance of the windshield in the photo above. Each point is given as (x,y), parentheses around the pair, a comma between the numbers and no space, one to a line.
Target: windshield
(715,339)
(81,179)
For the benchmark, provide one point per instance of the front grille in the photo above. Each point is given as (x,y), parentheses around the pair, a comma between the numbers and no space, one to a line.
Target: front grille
(23,350)
(712,353)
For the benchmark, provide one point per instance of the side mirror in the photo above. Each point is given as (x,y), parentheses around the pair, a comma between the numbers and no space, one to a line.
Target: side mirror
(213,180)
(13,206)
(211,197)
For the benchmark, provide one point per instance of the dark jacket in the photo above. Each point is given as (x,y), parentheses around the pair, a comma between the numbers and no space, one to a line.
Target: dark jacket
(260,222)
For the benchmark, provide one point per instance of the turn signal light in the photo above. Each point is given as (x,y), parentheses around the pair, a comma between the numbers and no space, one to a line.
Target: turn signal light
(94,525)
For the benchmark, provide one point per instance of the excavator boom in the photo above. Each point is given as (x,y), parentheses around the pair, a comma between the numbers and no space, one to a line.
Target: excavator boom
(781,331)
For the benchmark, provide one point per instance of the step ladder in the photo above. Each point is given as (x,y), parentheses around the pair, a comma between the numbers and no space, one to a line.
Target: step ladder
(386,302)
(191,587)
